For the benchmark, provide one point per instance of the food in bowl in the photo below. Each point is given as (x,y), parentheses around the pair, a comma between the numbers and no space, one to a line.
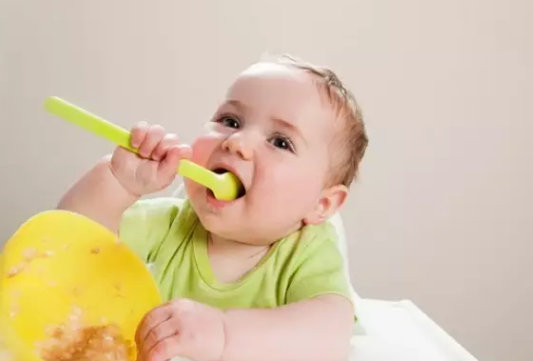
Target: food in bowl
(74,341)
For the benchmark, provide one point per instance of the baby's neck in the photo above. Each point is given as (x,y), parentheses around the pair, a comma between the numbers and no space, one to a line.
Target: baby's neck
(231,260)
(236,249)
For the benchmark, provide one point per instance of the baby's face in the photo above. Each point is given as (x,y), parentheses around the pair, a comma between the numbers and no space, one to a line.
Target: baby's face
(274,131)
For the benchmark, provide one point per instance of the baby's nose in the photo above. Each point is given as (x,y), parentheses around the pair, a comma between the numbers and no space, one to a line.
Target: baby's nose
(238,146)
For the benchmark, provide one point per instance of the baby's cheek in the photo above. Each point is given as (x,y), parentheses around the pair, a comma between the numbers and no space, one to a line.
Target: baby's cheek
(202,149)
(294,186)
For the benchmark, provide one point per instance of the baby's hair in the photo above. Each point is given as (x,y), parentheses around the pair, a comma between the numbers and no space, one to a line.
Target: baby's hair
(352,140)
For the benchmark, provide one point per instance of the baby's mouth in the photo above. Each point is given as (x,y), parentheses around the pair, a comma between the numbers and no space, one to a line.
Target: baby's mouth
(242,190)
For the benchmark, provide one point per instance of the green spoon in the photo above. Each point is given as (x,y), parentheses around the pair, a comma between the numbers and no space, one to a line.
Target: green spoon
(224,186)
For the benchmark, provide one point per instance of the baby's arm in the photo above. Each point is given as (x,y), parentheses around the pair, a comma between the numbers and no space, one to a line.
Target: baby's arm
(316,321)
(116,182)
(100,196)
(316,329)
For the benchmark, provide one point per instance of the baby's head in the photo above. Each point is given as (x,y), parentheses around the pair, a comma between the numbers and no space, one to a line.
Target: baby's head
(295,137)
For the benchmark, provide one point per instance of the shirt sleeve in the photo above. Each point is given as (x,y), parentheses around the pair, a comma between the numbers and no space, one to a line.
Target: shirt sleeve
(320,267)
(145,224)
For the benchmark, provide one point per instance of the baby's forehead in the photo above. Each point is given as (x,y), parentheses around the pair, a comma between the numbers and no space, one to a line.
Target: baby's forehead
(286,92)
(271,75)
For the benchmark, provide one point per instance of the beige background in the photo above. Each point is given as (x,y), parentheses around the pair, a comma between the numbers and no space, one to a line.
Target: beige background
(442,212)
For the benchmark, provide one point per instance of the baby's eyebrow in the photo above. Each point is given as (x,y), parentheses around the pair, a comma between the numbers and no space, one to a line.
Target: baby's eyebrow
(289,126)
(237,104)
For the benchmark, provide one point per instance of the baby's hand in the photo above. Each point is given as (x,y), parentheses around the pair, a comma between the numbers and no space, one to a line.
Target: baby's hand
(155,167)
(181,328)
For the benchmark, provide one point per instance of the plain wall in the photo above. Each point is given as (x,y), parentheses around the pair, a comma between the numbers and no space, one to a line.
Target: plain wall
(442,211)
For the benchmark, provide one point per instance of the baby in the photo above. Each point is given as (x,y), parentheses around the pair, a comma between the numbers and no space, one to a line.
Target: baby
(257,278)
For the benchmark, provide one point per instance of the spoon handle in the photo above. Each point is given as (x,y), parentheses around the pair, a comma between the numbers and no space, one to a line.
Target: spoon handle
(120,136)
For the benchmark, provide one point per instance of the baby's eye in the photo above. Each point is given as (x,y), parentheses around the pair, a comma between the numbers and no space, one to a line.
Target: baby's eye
(230,122)
(282,143)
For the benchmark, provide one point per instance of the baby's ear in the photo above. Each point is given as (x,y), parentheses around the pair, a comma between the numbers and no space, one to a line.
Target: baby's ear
(330,201)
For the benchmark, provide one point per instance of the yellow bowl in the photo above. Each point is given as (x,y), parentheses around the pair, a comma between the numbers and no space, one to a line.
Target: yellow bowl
(60,261)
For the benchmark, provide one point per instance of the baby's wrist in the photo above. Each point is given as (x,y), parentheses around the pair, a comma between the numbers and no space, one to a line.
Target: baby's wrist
(120,191)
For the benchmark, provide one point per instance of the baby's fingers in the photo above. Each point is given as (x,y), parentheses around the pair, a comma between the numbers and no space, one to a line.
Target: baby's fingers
(166,349)
(169,165)
(138,133)
(164,145)
(153,137)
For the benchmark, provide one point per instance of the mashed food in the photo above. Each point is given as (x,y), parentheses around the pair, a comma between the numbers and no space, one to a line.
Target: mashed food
(76,342)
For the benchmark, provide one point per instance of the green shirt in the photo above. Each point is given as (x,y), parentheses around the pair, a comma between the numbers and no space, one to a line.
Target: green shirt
(167,235)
